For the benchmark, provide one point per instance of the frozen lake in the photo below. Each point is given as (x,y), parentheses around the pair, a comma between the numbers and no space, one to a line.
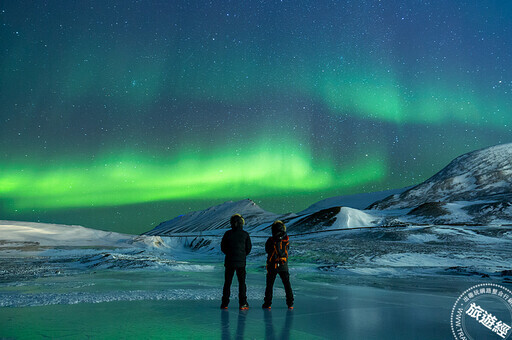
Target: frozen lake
(393,283)
(185,304)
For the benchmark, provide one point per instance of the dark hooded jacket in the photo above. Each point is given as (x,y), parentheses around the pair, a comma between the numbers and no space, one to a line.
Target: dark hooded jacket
(277,247)
(236,244)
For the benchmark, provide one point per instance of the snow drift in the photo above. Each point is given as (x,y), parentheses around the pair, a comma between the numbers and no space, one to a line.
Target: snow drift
(353,218)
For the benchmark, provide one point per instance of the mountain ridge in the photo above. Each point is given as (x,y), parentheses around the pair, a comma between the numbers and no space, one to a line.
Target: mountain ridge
(216,217)
(484,174)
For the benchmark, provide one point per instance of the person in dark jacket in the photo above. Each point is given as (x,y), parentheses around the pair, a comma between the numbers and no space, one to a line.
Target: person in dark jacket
(277,263)
(236,244)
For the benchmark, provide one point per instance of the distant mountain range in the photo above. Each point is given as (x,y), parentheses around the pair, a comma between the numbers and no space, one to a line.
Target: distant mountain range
(475,188)
(214,220)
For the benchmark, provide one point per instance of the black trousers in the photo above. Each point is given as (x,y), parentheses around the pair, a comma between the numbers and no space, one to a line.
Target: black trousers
(271,278)
(228,279)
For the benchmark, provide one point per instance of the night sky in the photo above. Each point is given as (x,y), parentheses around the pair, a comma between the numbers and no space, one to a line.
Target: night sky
(119,115)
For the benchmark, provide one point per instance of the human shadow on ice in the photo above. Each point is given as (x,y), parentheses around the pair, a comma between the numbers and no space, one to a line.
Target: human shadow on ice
(240,327)
(269,325)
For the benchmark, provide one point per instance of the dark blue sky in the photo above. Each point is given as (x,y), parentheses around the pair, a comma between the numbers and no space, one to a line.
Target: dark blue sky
(118,115)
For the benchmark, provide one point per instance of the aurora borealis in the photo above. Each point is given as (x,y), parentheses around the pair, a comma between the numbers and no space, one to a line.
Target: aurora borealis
(118,115)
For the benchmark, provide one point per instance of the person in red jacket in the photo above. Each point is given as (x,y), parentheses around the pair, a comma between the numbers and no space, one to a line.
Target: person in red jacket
(276,248)
(236,244)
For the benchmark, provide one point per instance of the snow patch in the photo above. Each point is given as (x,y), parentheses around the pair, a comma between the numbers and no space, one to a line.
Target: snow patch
(352,218)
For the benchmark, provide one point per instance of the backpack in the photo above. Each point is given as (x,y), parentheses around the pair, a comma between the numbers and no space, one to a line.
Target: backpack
(279,254)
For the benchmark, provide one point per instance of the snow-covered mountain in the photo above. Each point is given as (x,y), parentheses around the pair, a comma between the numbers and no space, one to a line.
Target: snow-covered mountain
(474,188)
(216,218)
(479,175)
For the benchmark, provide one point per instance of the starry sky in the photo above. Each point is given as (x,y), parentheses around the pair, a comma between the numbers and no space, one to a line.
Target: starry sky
(118,115)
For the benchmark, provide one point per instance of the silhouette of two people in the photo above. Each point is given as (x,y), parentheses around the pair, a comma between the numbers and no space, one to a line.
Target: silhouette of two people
(236,245)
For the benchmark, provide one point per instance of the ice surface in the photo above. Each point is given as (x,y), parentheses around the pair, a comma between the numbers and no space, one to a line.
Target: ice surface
(187,306)
(370,283)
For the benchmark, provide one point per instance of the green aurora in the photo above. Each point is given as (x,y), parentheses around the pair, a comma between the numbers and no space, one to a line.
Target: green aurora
(136,113)
(264,170)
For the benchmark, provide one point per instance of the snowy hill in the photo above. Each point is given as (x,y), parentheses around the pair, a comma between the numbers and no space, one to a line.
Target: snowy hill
(484,175)
(45,234)
(31,250)
(21,235)
(475,188)
(331,218)
(215,218)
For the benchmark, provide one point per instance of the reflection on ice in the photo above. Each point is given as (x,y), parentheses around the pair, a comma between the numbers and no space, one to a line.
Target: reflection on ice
(380,283)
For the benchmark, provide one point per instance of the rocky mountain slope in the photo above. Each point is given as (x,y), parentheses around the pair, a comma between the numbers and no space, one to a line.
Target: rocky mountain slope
(479,175)
(474,188)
